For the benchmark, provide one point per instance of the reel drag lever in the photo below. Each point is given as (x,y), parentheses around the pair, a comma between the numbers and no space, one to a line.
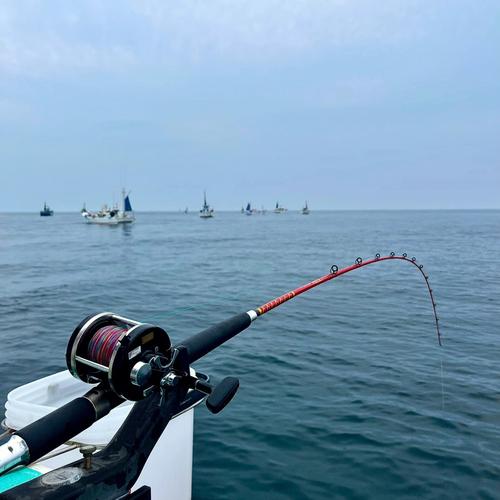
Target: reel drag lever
(220,395)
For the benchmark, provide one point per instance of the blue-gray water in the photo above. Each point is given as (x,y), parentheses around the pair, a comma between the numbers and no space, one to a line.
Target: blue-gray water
(344,391)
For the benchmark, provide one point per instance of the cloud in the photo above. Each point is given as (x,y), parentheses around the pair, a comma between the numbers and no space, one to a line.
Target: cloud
(54,54)
(46,37)
(226,26)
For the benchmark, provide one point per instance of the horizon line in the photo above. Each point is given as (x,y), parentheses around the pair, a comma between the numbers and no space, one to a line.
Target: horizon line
(298,210)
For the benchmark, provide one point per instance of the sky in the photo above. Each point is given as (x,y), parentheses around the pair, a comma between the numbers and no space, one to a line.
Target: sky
(349,104)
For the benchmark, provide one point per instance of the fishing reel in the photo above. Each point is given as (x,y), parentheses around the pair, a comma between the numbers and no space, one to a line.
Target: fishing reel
(128,356)
(133,359)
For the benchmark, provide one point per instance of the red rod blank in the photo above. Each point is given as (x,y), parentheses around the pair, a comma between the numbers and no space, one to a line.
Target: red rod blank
(268,306)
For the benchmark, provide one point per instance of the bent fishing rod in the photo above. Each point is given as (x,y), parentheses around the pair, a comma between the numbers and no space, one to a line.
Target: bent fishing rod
(209,339)
(134,361)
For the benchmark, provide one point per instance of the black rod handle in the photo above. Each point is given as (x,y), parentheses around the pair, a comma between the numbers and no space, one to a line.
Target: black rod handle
(59,426)
(207,340)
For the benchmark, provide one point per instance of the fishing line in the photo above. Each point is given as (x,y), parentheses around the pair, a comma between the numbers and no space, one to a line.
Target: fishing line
(442,385)
(335,272)
(103,343)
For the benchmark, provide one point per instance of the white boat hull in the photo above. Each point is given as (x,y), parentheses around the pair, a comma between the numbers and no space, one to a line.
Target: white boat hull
(108,221)
(103,221)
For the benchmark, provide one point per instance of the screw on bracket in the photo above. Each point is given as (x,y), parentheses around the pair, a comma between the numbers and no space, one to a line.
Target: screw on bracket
(87,452)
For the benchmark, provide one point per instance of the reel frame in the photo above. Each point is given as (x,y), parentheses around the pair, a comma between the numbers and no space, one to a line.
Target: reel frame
(131,371)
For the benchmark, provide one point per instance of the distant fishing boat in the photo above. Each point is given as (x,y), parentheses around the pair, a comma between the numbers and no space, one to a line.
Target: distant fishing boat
(305,210)
(46,211)
(278,209)
(111,216)
(248,210)
(206,211)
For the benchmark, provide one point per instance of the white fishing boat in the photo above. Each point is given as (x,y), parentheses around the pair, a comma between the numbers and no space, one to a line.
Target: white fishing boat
(305,210)
(278,209)
(105,216)
(248,209)
(206,211)
(111,216)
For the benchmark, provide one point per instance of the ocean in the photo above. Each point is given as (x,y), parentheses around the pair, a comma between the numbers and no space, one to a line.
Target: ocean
(344,391)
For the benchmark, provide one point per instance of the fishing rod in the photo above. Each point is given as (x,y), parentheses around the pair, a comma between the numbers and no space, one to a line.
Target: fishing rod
(209,339)
(134,361)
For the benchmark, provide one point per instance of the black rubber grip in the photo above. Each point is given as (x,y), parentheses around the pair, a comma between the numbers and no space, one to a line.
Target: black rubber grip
(57,427)
(207,340)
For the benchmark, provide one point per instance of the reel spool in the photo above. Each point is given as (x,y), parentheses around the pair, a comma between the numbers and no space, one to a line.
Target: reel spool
(115,350)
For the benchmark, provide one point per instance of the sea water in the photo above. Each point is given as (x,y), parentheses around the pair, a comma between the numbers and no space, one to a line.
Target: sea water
(344,391)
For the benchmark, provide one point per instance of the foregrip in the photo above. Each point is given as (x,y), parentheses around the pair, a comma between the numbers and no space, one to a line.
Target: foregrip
(207,340)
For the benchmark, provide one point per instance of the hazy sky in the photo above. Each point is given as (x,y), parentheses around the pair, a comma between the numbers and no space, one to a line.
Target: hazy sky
(348,104)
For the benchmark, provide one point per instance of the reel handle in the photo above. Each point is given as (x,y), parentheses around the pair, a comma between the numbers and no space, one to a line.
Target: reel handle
(222,394)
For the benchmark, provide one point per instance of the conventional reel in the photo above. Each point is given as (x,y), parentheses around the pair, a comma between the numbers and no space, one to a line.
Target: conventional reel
(124,354)
(133,359)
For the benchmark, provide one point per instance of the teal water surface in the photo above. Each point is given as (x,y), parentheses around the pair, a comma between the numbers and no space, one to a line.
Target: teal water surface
(344,393)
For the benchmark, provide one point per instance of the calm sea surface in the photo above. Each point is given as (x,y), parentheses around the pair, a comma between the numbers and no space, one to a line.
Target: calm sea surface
(344,391)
